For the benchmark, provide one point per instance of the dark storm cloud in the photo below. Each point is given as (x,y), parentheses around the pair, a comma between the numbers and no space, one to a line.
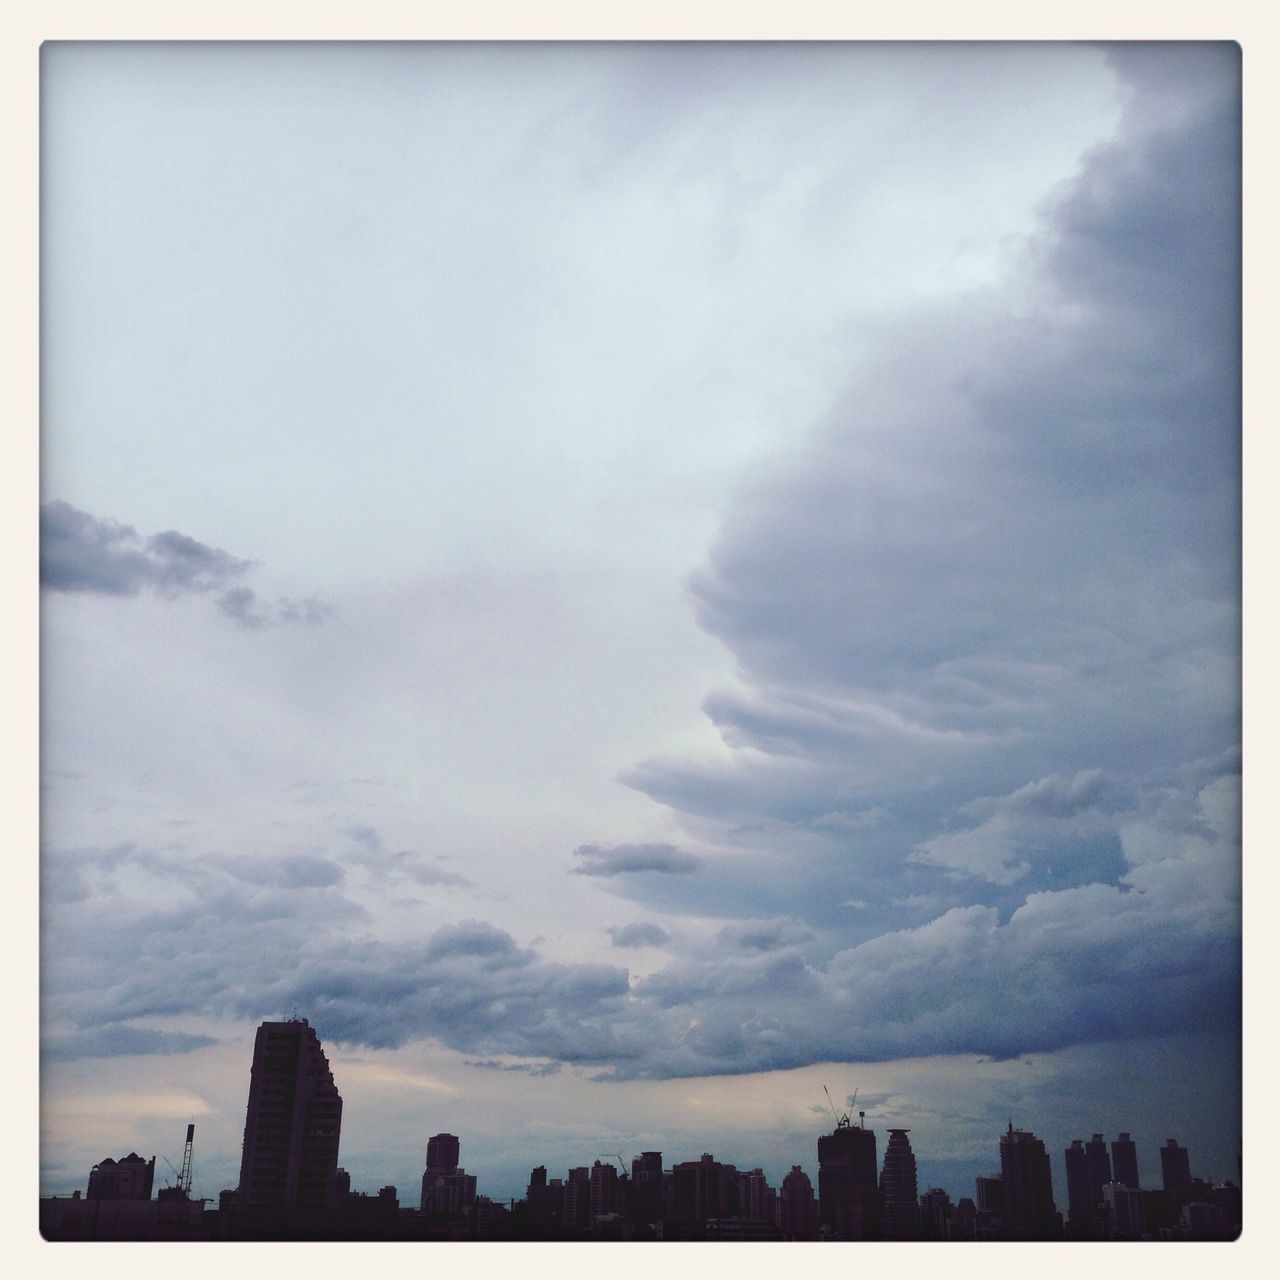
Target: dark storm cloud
(524,1068)
(625,859)
(80,552)
(120,1041)
(83,553)
(986,622)
(639,934)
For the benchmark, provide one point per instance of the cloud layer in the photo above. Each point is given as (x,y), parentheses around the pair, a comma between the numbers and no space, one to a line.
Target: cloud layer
(980,785)
(84,553)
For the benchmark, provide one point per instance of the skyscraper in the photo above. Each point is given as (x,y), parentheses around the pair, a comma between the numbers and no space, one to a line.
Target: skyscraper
(848,1190)
(292,1123)
(1124,1161)
(1175,1167)
(446,1189)
(900,1207)
(1030,1213)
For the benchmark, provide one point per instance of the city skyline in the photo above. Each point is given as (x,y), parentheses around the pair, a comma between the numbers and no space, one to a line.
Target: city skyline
(291,1186)
(631,583)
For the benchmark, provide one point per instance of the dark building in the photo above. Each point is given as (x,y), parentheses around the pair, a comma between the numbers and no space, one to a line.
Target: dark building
(1175,1167)
(935,1214)
(447,1190)
(129,1178)
(900,1209)
(443,1151)
(702,1189)
(848,1185)
(292,1124)
(606,1192)
(797,1206)
(1124,1162)
(1082,1207)
(644,1205)
(1029,1210)
(757,1200)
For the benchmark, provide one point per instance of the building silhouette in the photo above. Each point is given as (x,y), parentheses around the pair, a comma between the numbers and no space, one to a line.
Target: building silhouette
(935,1214)
(1029,1211)
(447,1190)
(900,1209)
(848,1185)
(797,1206)
(1175,1167)
(129,1178)
(292,1124)
(645,1203)
(1124,1162)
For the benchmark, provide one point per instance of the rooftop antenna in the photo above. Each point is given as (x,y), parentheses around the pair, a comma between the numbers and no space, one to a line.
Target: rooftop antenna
(842,1121)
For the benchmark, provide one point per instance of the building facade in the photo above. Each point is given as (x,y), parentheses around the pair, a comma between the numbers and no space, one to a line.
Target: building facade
(848,1184)
(900,1208)
(293,1122)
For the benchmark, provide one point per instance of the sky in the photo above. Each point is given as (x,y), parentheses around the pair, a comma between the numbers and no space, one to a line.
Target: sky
(628,583)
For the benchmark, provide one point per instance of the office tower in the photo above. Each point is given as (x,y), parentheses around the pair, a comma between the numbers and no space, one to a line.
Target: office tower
(797,1206)
(1124,1161)
(129,1178)
(848,1186)
(1030,1213)
(645,1204)
(446,1189)
(1175,1167)
(900,1209)
(292,1123)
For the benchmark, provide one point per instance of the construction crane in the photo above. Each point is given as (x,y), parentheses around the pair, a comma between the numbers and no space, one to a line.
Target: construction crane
(843,1118)
(184,1178)
(181,1190)
(613,1155)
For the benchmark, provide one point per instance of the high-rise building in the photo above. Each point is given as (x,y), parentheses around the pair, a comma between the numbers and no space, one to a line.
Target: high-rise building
(446,1189)
(1124,1162)
(848,1185)
(645,1203)
(756,1198)
(129,1178)
(1030,1213)
(1175,1167)
(1123,1205)
(1099,1164)
(292,1123)
(704,1188)
(899,1206)
(797,1206)
(443,1150)
(1082,1208)
(935,1214)
(606,1192)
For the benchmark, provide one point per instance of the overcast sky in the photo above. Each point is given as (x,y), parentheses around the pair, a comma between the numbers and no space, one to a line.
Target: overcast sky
(626,583)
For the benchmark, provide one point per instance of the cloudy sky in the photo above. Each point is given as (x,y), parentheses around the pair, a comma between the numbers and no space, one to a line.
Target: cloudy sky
(627,583)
